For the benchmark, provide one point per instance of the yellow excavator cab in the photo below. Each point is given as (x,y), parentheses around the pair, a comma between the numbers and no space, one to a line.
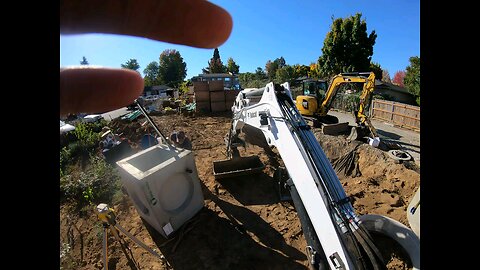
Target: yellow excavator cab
(313,92)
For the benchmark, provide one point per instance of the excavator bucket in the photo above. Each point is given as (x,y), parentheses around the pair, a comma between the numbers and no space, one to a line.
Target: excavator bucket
(237,166)
(353,134)
(357,133)
(335,129)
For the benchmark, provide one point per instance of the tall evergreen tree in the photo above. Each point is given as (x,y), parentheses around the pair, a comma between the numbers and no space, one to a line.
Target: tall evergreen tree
(84,61)
(131,64)
(215,64)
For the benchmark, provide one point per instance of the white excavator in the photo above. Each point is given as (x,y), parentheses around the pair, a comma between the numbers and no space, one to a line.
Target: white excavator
(336,237)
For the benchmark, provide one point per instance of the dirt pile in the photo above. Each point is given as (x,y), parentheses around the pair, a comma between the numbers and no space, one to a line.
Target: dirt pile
(243,225)
(384,186)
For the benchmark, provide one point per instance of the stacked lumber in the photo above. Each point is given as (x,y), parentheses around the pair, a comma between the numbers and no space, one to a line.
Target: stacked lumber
(212,97)
(202,96)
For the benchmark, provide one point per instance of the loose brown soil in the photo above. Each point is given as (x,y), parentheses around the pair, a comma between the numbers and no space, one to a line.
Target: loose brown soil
(243,225)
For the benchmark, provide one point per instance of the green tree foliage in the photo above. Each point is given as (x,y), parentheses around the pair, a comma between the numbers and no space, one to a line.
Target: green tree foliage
(131,64)
(314,71)
(232,66)
(183,87)
(377,70)
(284,74)
(271,67)
(347,47)
(84,61)
(151,74)
(260,74)
(412,77)
(255,80)
(215,64)
(172,69)
(386,76)
(301,70)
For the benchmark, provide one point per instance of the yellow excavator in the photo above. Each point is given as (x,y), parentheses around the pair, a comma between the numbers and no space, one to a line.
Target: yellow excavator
(317,100)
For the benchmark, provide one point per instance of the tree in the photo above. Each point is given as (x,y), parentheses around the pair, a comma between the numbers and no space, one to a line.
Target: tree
(232,66)
(172,69)
(84,61)
(314,71)
(271,67)
(284,74)
(301,70)
(249,79)
(347,47)
(256,80)
(377,70)
(131,64)
(412,77)
(151,74)
(215,64)
(260,74)
(398,78)
(386,76)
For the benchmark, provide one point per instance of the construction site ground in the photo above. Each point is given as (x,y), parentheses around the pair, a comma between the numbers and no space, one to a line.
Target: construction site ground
(407,138)
(243,224)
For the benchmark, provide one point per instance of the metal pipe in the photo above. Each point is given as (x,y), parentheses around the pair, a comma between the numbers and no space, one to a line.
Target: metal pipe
(150,120)
(104,248)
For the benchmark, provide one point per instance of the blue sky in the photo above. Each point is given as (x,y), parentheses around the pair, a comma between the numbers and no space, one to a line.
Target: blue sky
(266,30)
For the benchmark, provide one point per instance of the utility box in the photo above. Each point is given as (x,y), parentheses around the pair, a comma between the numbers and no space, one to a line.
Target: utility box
(163,185)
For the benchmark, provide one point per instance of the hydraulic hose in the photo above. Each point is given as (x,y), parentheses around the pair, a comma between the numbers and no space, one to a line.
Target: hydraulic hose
(356,240)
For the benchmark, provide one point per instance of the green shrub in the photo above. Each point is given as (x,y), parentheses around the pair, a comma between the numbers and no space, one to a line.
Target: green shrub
(97,183)
(96,126)
(64,160)
(87,138)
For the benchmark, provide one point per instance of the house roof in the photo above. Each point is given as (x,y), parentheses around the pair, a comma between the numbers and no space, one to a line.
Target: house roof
(216,75)
(385,85)
(158,88)
(305,78)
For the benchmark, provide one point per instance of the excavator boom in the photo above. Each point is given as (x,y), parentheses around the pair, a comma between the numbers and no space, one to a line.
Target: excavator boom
(329,211)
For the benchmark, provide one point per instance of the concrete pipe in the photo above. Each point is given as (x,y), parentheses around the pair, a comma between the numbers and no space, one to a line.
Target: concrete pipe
(396,231)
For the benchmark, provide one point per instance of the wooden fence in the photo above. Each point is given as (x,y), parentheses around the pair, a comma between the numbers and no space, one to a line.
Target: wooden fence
(400,114)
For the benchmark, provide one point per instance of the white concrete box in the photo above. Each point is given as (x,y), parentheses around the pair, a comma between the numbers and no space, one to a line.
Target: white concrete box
(163,185)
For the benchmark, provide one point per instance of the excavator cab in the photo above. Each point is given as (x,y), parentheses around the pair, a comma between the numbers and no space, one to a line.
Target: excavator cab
(316,88)
(313,92)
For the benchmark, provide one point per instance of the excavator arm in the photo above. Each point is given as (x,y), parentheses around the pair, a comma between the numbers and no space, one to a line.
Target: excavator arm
(368,80)
(362,120)
(344,78)
(342,242)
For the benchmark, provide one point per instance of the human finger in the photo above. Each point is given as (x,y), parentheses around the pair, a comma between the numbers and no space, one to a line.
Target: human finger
(95,89)
(196,23)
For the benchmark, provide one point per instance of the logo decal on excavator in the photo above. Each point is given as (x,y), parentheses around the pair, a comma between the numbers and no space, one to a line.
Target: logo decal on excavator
(305,104)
